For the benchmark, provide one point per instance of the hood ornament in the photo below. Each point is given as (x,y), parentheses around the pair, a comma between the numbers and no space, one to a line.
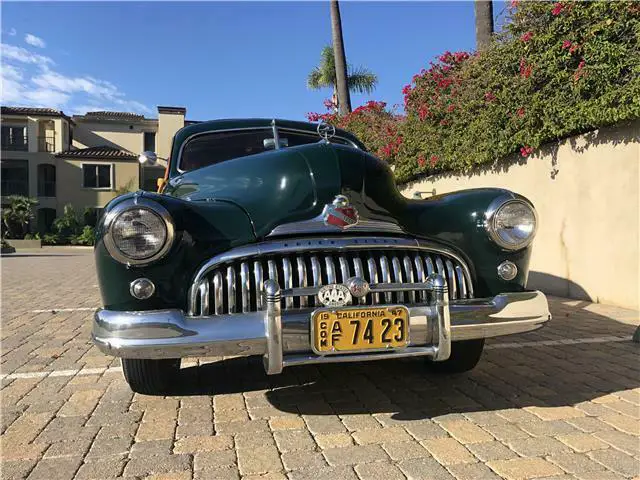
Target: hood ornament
(326,131)
(340,213)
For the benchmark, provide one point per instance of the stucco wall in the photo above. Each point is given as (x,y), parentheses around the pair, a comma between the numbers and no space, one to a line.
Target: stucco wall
(118,135)
(585,190)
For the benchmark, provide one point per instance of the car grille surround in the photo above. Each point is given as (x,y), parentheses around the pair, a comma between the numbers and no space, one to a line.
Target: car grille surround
(232,283)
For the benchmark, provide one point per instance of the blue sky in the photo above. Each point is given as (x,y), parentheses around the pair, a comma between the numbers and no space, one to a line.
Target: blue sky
(219,59)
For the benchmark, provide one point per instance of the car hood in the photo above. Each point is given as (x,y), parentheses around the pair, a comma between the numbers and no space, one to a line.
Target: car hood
(294,184)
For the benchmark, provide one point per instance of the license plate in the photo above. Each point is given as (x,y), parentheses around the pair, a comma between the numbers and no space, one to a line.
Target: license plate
(340,330)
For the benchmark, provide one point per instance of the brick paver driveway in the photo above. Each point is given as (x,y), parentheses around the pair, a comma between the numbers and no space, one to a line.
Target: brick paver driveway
(561,403)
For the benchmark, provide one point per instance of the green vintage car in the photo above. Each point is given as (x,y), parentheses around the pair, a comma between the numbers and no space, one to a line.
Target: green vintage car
(289,240)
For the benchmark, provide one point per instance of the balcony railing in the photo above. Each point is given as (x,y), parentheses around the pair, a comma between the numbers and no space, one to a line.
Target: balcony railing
(47,143)
(15,144)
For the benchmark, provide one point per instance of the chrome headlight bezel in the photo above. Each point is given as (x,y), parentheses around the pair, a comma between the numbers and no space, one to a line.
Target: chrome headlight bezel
(137,203)
(490,218)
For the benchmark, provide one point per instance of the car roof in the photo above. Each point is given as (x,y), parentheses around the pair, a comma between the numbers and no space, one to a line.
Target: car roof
(237,123)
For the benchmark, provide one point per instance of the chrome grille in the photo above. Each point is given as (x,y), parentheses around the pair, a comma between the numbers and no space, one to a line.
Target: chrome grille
(235,284)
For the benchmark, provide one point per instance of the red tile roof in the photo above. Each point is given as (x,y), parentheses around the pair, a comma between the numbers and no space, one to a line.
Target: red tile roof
(99,152)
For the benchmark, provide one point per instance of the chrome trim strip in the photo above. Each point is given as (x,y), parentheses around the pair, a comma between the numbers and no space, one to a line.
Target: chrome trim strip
(317,225)
(218,294)
(273,357)
(273,272)
(171,334)
(331,269)
(302,277)
(245,287)
(287,272)
(231,288)
(409,277)
(315,273)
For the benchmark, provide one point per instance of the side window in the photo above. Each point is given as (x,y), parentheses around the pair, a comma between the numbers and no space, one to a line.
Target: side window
(212,148)
(149,142)
(96,175)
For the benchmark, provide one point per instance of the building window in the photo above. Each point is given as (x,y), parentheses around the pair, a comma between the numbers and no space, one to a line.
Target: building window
(14,177)
(46,180)
(149,142)
(14,138)
(96,175)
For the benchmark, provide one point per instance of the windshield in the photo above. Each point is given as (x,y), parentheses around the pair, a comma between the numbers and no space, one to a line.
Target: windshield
(215,147)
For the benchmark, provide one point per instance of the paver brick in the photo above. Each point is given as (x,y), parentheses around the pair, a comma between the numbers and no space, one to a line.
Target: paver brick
(257,460)
(286,423)
(487,451)
(466,432)
(448,451)
(424,469)
(157,464)
(524,468)
(203,444)
(58,468)
(333,440)
(555,413)
(379,471)
(214,460)
(354,455)
(617,461)
(622,441)
(622,422)
(17,469)
(575,463)
(582,442)
(426,429)
(342,473)
(303,459)
(405,450)
(384,435)
(472,471)
(538,446)
(291,440)
(103,468)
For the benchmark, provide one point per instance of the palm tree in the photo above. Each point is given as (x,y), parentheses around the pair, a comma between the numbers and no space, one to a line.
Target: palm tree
(359,79)
(484,22)
(344,99)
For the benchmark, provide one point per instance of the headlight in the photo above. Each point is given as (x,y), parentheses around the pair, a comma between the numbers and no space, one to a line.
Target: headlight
(511,222)
(138,231)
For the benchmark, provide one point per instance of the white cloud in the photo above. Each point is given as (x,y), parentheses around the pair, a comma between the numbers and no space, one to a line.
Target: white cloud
(11,32)
(22,55)
(34,41)
(29,79)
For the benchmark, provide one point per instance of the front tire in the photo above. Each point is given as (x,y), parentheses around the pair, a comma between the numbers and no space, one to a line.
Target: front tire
(465,355)
(150,377)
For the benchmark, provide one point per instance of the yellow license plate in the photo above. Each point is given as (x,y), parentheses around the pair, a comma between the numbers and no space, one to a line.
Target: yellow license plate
(340,330)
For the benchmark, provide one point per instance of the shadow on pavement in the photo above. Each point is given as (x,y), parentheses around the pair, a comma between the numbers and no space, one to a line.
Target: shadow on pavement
(538,375)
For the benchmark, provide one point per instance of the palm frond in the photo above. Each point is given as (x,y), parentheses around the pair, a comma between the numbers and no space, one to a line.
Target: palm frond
(361,80)
(315,79)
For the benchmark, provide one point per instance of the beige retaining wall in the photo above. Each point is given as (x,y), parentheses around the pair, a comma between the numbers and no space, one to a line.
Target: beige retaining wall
(585,190)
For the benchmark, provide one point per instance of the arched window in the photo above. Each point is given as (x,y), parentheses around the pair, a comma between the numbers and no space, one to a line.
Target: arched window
(46,180)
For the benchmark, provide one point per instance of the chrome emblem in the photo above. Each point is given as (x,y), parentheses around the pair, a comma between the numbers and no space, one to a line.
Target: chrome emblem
(358,286)
(340,213)
(334,295)
(326,131)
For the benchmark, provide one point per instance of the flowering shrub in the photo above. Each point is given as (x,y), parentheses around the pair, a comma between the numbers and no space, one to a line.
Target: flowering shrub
(372,123)
(558,69)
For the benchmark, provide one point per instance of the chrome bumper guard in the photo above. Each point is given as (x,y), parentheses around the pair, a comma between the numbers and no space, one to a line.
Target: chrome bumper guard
(284,339)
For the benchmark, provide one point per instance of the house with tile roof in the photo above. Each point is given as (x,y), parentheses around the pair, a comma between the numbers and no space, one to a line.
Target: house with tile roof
(82,160)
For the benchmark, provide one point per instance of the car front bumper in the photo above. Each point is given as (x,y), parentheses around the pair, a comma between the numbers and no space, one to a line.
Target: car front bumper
(283,337)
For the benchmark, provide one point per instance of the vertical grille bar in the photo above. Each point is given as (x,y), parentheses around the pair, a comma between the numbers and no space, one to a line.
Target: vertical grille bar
(386,276)
(373,277)
(217,294)
(421,277)
(258,278)
(302,279)
(440,267)
(245,287)
(461,282)
(231,288)
(204,297)
(331,269)
(273,273)
(359,272)
(408,274)
(315,273)
(429,263)
(451,275)
(344,268)
(397,276)
(287,271)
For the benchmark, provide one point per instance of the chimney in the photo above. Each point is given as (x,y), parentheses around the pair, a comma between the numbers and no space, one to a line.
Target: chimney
(170,120)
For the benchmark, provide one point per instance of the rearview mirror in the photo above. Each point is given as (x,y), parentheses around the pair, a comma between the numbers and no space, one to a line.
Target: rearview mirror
(148,158)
